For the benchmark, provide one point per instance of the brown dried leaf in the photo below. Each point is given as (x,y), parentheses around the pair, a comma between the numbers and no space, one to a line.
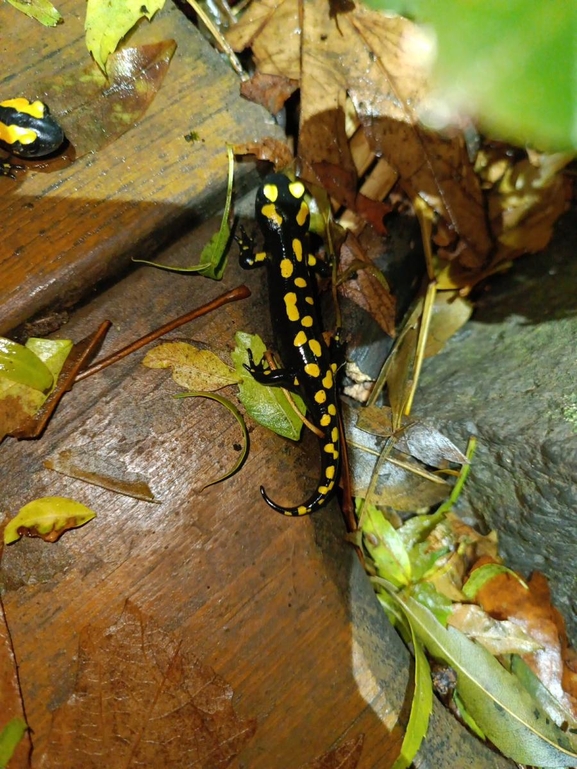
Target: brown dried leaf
(273,150)
(365,289)
(504,597)
(141,701)
(497,636)
(270,91)
(11,697)
(100,470)
(345,756)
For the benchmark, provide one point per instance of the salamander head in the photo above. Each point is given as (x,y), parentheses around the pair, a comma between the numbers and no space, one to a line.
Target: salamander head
(280,200)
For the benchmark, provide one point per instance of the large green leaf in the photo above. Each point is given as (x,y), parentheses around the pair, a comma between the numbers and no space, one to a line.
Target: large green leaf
(510,64)
(501,707)
(22,365)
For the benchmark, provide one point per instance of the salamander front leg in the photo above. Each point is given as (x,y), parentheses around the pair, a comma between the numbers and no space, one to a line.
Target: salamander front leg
(264,375)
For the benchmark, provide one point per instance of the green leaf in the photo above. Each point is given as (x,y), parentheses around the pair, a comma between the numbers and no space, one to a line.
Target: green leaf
(191,368)
(21,365)
(467,717)
(500,706)
(213,257)
(421,708)
(107,23)
(238,416)
(41,10)
(10,736)
(266,405)
(479,577)
(48,518)
(437,603)
(52,352)
(510,64)
(542,695)
(384,545)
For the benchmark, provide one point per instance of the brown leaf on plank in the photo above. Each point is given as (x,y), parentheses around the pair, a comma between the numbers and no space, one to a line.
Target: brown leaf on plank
(273,150)
(366,289)
(504,597)
(270,91)
(141,701)
(345,756)
(11,698)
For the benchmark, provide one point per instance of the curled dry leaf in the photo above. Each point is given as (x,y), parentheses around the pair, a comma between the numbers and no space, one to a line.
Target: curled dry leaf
(47,518)
(163,706)
(504,597)
(273,150)
(271,91)
(192,368)
(104,471)
(497,636)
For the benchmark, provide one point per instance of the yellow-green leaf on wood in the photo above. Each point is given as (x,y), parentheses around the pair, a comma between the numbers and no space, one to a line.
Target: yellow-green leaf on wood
(48,518)
(192,368)
(41,10)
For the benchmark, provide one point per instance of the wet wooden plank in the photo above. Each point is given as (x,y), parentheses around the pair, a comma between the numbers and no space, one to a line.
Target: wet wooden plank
(64,231)
(279,607)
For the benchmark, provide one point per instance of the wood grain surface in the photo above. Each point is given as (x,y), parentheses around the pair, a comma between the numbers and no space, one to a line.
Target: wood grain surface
(278,607)
(65,230)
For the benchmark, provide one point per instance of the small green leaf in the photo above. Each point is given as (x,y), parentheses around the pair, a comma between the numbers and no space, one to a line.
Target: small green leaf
(10,736)
(41,10)
(52,352)
(213,257)
(48,518)
(479,577)
(107,23)
(467,717)
(421,707)
(427,595)
(238,416)
(266,405)
(384,545)
(19,364)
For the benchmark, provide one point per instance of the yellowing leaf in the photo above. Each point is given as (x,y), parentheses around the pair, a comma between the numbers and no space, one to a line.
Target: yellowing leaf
(191,368)
(20,364)
(107,23)
(48,518)
(41,10)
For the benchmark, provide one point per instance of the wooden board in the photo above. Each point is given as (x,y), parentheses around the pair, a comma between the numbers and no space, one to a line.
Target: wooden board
(64,231)
(278,607)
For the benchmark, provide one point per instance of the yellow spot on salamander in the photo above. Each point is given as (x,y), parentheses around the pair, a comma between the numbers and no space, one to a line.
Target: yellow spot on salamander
(334,368)
(302,214)
(302,510)
(34,108)
(329,448)
(300,283)
(332,409)
(286,268)
(309,300)
(312,369)
(260,257)
(300,339)
(330,472)
(14,133)
(298,249)
(315,349)
(335,434)
(323,490)
(270,212)
(290,301)
(297,189)
(312,260)
(270,191)
(320,396)
(307,321)
(325,420)
(328,379)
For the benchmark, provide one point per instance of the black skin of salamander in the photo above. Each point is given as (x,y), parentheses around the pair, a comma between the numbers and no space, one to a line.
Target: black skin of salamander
(280,231)
(49,134)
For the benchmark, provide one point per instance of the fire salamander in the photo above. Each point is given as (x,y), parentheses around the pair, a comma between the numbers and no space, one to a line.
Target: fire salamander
(283,216)
(28,130)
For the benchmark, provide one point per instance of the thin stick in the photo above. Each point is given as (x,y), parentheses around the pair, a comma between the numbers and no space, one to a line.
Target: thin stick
(240,292)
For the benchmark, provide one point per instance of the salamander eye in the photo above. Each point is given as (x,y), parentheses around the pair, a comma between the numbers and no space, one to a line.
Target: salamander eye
(270,191)
(297,189)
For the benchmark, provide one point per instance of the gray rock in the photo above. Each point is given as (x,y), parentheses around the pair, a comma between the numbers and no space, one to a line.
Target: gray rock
(509,378)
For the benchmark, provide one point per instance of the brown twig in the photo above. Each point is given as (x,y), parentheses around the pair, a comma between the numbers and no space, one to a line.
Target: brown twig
(240,292)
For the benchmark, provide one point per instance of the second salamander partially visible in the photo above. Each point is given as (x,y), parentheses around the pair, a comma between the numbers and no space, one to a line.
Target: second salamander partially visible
(283,216)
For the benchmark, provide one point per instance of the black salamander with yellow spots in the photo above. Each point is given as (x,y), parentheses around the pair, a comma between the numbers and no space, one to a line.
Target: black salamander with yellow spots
(283,216)
(27,129)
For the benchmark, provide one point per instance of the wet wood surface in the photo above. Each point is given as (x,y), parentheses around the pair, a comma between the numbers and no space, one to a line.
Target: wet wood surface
(75,226)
